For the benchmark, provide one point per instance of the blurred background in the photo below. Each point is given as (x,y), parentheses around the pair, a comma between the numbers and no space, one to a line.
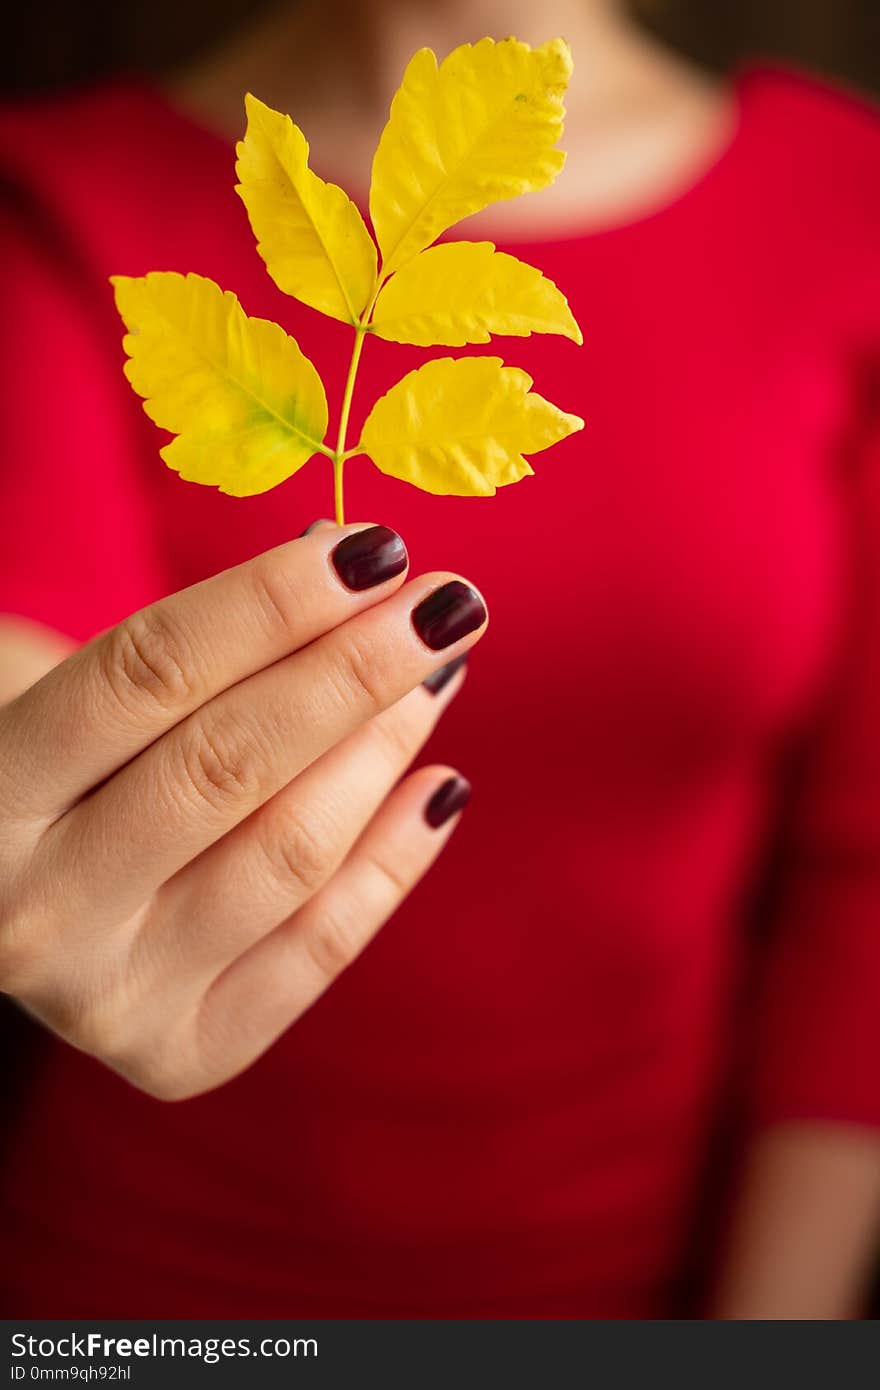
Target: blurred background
(54,43)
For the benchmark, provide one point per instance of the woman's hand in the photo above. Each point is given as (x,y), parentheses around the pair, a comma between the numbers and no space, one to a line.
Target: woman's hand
(200,822)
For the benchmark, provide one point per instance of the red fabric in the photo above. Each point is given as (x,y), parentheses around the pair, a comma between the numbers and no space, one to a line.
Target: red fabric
(506,1106)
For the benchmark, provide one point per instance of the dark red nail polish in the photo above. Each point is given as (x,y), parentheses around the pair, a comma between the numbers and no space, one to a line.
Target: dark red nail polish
(369,557)
(312,524)
(448,614)
(451,796)
(443,675)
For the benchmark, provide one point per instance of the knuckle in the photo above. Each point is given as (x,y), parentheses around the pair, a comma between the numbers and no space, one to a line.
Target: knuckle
(359,673)
(145,662)
(21,958)
(95,1026)
(103,1022)
(18,961)
(395,738)
(277,597)
(394,875)
(111,1030)
(160,1076)
(298,853)
(219,768)
(331,942)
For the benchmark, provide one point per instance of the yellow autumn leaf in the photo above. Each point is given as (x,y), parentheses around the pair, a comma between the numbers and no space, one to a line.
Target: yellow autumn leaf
(310,234)
(247,407)
(464,291)
(478,129)
(461,426)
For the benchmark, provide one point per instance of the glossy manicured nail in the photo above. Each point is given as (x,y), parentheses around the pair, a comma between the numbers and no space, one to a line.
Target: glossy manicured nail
(369,557)
(448,614)
(451,796)
(443,675)
(322,521)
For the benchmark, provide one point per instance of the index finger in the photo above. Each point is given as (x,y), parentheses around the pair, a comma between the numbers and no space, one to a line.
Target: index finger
(111,699)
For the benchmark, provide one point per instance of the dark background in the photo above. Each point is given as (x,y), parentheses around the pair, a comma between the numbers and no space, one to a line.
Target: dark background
(55,42)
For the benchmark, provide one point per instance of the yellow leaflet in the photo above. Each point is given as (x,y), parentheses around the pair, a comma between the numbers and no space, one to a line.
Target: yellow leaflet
(461,426)
(248,408)
(310,234)
(464,291)
(479,128)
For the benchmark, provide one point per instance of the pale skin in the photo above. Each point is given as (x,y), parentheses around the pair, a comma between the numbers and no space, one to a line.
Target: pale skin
(112,926)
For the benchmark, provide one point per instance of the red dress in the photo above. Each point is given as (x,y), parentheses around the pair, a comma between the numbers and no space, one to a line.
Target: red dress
(663,906)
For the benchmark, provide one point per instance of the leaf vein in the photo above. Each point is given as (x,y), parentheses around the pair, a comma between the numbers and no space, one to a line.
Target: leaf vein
(245,390)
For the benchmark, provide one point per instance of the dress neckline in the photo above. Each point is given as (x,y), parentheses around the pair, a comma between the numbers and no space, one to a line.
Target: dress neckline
(708,175)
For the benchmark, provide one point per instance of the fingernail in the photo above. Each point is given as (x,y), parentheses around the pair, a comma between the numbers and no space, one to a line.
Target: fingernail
(451,796)
(322,520)
(369,557)
(443,675)
(448,614)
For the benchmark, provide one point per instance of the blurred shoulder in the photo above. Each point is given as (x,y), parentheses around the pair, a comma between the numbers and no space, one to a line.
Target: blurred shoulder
(48,133)
(797,92)
(111,174)
(817,133)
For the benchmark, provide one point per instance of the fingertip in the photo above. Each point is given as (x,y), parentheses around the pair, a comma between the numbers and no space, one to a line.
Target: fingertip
(369,556)
(450,612)
(444,675)
(447,800)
